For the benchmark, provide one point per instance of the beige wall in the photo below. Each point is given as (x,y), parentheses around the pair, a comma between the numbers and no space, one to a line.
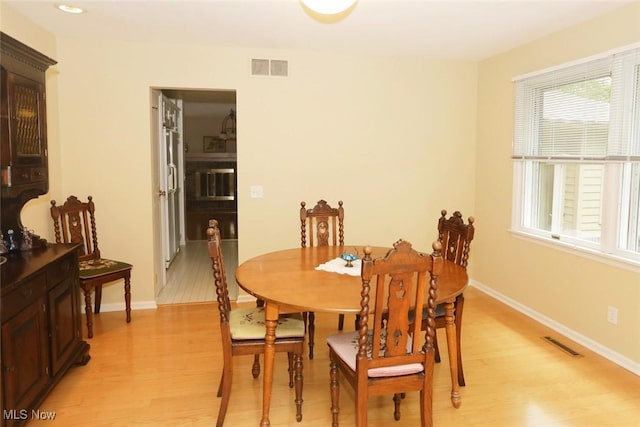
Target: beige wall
(379,134)
(564,289)
(382,134)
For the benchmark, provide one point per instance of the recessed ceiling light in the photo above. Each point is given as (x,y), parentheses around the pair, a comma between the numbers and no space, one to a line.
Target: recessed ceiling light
(69,9)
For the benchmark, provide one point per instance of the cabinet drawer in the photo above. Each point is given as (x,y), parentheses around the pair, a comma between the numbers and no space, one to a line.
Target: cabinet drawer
(21,175)
(39,174)
(23,295)
(60,270)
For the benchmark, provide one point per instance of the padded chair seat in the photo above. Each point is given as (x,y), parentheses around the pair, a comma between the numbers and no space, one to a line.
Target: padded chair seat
(249,324)
(346,347)
(99,267)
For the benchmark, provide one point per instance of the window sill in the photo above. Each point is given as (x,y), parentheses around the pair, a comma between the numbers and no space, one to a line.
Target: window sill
(609,259)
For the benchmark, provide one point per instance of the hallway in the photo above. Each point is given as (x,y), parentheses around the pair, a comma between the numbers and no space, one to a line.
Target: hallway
(190,278)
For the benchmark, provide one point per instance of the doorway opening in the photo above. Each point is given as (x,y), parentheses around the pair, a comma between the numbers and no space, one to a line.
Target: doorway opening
(207,186)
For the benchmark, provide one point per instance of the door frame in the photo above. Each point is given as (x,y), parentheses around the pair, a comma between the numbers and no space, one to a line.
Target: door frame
(160,269)
(160,272)
(159,186)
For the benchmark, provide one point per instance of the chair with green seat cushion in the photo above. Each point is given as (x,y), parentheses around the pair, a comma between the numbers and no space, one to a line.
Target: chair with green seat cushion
(243,330)
(248,324)
(74,222)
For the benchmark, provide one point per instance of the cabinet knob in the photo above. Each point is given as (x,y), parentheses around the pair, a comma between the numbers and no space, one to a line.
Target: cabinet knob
(162,193)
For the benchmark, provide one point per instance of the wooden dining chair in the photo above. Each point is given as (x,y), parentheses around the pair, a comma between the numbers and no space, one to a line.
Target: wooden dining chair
(455,237)
(394,356)
(75,222)
(321,225)
(243,331)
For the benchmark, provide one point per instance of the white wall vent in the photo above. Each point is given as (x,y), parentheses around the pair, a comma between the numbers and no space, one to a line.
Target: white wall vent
(259,67)
(279,68)
(269,67)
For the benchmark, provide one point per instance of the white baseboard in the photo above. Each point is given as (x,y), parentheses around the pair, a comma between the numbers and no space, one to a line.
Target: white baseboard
(245,298)
(587,342)
(119,306)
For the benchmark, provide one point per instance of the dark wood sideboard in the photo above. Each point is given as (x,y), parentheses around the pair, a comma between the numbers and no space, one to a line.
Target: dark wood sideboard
(39,301)
(41,327)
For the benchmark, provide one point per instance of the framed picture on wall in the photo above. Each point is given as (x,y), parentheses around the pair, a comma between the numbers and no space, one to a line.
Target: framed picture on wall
(213,144)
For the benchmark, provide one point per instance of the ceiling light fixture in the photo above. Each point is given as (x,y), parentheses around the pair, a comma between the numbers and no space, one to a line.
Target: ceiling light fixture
(328,7)
(69,9)
(228,130)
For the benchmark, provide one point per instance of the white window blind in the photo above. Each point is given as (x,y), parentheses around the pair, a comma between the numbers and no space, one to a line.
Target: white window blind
(624,143)
(580,112)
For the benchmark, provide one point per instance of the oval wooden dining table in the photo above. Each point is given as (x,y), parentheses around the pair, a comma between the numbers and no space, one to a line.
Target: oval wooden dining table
(287,281)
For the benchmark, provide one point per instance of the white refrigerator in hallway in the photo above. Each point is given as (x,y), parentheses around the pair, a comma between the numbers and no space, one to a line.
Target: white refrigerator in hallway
(173,187)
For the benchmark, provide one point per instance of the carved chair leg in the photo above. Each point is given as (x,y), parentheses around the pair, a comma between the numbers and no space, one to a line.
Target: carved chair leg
(291,368)
(459,307)
(255,369)
(311,332)
(127,297)
(397,398)
(334,387)
(298,384)
(87,310)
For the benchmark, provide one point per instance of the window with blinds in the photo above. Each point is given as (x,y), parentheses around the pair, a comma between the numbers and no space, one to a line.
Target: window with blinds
(576,154)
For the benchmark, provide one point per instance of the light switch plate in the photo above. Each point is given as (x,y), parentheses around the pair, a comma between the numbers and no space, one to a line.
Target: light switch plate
(256,192)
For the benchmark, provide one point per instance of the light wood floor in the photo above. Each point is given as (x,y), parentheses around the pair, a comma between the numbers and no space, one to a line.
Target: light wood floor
(189,275)
(163,369)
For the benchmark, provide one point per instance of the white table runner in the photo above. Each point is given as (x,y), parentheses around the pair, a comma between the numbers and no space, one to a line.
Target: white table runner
(338,265)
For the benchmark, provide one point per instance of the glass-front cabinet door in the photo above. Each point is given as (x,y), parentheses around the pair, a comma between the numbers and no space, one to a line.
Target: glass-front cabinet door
(26,161)
(26,110)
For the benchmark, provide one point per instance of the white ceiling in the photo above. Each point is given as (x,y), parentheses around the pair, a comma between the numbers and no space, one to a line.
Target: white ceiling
(441,29)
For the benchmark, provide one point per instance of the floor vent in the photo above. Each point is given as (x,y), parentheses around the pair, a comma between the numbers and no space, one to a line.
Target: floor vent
(561,346)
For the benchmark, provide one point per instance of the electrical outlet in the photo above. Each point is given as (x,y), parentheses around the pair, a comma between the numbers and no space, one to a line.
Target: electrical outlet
(612,315)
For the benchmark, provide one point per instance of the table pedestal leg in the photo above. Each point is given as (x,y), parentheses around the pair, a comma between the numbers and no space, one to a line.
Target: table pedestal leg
(271,321)
(452,347)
